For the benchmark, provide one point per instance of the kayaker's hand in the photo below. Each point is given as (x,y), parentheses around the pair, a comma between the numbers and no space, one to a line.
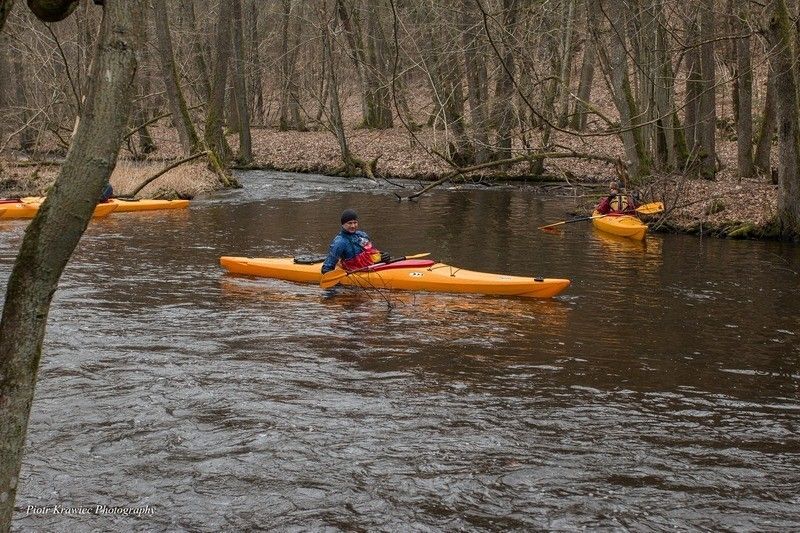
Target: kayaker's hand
(385,258)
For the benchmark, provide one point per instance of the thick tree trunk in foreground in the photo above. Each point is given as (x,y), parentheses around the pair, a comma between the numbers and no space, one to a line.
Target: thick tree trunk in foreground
(783,62)
(52,236)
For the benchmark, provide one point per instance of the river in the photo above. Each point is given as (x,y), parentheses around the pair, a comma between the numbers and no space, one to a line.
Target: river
(660,391)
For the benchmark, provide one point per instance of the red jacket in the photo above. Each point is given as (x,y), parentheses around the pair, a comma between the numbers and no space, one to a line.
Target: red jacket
(616,203)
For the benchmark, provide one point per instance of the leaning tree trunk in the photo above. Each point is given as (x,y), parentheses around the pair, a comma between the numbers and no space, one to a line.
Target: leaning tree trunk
(53,235)
(783,62)
(245,156)
(177,104)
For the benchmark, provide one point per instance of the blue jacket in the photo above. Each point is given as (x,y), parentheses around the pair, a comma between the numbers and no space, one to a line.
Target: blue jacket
(344,246)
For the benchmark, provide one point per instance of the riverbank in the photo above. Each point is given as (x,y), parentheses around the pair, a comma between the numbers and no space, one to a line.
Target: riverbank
(725,207)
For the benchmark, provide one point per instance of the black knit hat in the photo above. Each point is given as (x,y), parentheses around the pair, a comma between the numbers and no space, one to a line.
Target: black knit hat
(348,215)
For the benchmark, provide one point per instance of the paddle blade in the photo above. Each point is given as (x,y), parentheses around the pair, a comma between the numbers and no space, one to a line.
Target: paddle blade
(651,208)
(551,229)
(329,279)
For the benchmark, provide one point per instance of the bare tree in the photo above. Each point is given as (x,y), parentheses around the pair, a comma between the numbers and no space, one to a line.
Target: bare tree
(245,155)
(708,98)
(767,131)
(504,109)
(177,104)
(214,137)
(743,82)
(289,111)
(53,235)
(477,81)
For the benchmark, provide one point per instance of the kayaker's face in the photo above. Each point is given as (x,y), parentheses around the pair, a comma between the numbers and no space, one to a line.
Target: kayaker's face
(350,226)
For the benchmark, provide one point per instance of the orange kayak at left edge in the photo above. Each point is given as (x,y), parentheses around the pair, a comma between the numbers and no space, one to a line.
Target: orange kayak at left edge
(28,207)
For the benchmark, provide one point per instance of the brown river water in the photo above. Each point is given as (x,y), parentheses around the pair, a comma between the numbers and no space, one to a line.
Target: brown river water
(661,391)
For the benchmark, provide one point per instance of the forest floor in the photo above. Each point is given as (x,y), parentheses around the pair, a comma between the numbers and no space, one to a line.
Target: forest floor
(726,206)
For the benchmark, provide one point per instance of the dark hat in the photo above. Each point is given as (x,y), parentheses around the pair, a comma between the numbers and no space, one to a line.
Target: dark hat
(348,215)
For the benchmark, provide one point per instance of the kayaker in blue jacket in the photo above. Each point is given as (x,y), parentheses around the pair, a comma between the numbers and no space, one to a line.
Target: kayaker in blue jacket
(352,247)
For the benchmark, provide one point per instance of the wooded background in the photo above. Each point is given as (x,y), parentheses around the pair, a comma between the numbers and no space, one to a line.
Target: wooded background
(478,83)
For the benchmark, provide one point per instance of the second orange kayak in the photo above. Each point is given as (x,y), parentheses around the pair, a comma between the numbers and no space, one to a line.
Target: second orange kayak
(622,225)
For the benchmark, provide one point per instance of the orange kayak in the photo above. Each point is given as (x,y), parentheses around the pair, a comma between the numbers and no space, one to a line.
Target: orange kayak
(28,207)
(125,206)
(413,275)
(623,225)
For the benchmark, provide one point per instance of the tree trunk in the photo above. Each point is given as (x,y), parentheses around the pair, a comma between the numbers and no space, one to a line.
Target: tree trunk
(5,9)
(565,76)
(708,99)
(744,85)
(353,36)
(245,144)
(767,132)
(256,91)
(504,91)
(53,235)
(333,89)
(214,136)
(27,136)
(289,112)
(783,60)
(477,81)
(380,109)
(587,72)
(693,86)
(197,56)
(177,104)
(615,67)
(6,77)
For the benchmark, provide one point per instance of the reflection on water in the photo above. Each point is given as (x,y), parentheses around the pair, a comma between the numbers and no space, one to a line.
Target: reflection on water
(660,391)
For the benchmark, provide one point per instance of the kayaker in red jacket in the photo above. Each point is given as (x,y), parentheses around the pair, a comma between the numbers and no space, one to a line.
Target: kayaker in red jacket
(616,202)
(352,247)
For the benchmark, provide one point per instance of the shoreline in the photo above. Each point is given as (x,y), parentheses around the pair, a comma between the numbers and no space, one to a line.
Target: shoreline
(723,208)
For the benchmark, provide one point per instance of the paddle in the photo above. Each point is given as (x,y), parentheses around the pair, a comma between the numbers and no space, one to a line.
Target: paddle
(329,279)
(651,208)
(581,219)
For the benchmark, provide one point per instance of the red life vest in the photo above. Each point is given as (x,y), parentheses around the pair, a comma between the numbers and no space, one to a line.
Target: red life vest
(368,256)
